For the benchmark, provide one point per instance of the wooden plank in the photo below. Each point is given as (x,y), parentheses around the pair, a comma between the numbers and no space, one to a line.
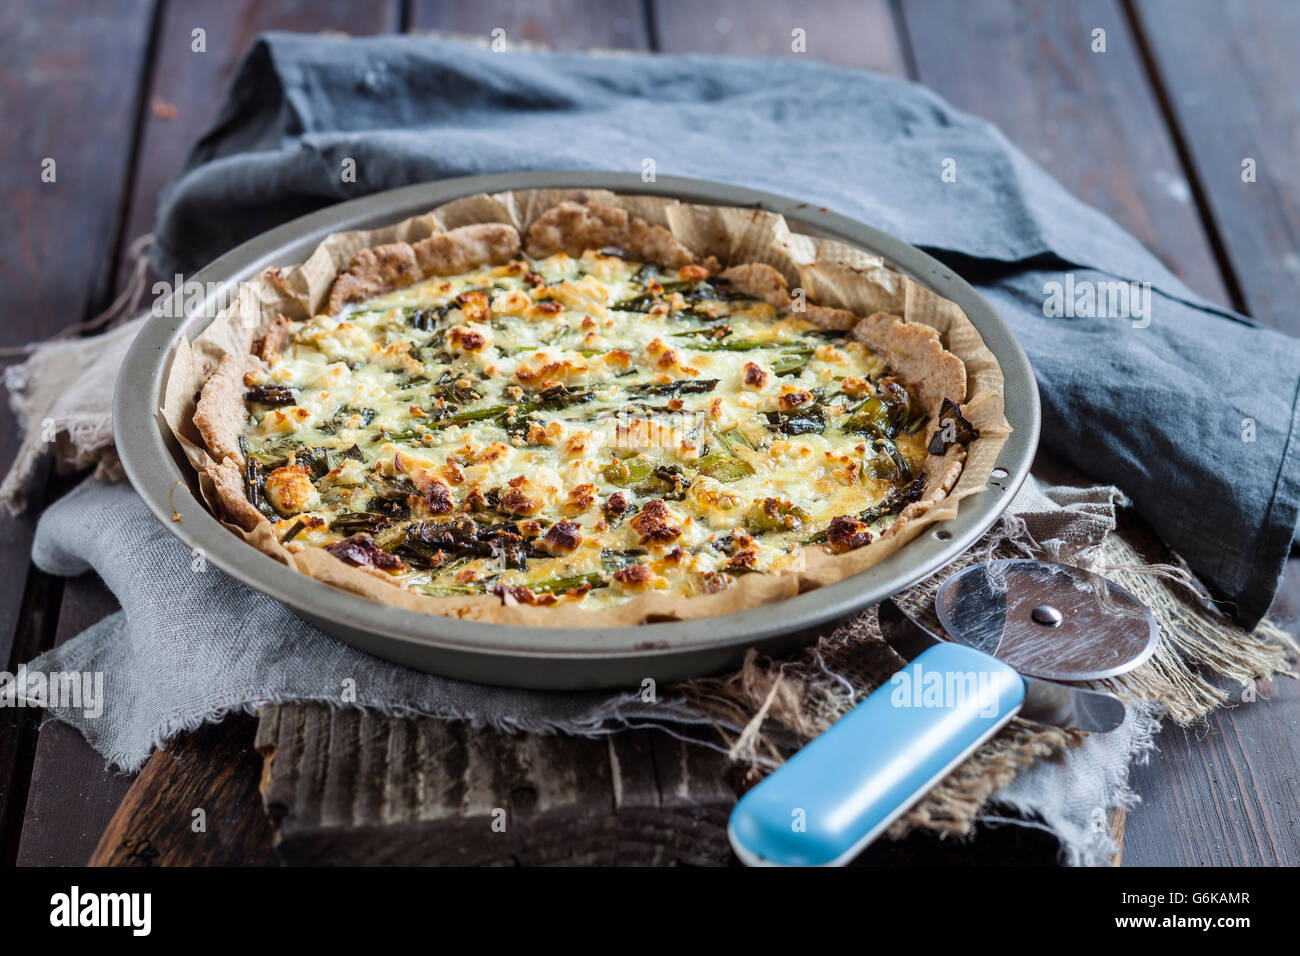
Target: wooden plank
(1094,121)
(66,96)
(1227,73)
(19,725)
(72,795)
(430,792)
(858,33)
(690,775)
(1225,793)
(188,86)
(559,24)
(1090,119)
(632,771)
(214,770)
(1230,73)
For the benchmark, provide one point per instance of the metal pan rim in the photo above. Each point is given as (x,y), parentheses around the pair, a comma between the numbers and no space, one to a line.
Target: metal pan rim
(568,658)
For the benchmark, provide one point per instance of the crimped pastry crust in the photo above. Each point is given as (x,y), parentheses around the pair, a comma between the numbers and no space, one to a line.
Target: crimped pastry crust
(914,350)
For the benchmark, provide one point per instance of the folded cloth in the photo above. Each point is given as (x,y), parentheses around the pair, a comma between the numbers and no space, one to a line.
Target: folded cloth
(191,645)
(1186,407)
(64,392)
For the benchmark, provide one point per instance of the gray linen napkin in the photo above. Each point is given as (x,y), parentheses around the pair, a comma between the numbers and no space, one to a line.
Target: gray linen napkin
(192,645)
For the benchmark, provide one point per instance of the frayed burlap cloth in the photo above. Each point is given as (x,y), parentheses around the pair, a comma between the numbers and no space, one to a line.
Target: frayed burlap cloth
(781,704)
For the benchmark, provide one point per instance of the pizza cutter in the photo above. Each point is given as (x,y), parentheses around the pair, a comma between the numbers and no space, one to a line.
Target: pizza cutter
(1016,628)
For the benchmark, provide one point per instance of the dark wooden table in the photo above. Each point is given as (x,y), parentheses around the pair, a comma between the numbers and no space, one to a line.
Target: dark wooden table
(1153,131)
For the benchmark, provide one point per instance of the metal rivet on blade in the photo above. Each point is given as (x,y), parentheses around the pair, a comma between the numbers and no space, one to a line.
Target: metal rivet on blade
(1046,615)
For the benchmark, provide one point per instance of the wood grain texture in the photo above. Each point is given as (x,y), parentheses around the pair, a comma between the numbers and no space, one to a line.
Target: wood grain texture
(1228,793)
(1231,73)
(69,92)
(69,77)
(216,770)
(19,726)
(559,24)
(858,33)
(188,86)
(73,796)
(1095,124)
(1090,119)
(344,787)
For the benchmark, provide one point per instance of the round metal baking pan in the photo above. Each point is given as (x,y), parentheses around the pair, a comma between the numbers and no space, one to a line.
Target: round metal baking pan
(568,658)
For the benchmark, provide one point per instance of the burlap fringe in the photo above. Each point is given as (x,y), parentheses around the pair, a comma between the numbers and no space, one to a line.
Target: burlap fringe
(782,704)
(1196,641)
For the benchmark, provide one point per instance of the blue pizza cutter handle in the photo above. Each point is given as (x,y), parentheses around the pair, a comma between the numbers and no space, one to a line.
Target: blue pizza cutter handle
(843,789)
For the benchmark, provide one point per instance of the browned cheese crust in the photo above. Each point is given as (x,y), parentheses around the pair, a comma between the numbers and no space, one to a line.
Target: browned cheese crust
(916,353)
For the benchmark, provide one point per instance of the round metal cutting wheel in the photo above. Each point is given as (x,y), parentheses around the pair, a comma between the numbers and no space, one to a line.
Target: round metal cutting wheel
(1047,620)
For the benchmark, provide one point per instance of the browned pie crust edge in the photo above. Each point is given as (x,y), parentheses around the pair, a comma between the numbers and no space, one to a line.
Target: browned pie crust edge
(915,349)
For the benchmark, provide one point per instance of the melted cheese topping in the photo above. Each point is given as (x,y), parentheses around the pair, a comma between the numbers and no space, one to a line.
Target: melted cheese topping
(577,430)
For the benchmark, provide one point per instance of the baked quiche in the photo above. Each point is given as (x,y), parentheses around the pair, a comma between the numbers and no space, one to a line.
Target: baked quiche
(577,419)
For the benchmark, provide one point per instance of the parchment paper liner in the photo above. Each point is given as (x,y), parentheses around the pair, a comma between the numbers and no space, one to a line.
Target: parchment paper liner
(830,273)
